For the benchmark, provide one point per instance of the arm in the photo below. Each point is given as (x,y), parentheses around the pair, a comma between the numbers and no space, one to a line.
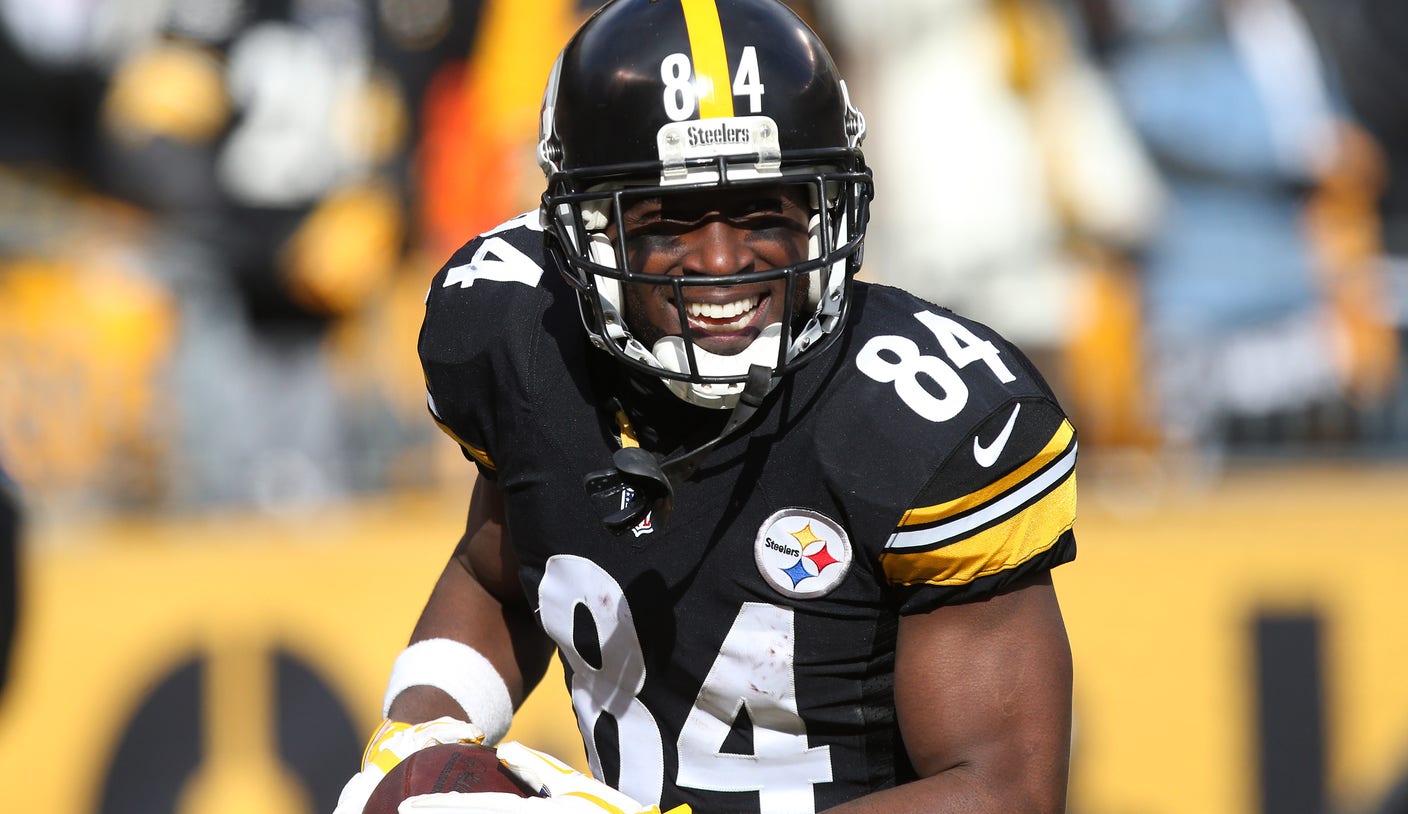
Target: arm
(479,601)
(983,700)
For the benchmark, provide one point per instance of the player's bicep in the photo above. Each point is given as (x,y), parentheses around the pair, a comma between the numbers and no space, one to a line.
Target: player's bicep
(485,551)
(983,693)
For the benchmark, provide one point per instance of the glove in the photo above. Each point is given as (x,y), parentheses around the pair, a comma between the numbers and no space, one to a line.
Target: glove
(567,791)
(391,744)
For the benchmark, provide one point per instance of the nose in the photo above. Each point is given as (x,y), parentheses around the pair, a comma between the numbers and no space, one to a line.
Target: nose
(716,248)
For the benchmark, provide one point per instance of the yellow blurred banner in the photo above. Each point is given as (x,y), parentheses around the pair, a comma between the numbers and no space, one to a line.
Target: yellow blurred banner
(216,664)
(220,664)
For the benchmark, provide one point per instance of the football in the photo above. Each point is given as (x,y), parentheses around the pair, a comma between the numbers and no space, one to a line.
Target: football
(446,767)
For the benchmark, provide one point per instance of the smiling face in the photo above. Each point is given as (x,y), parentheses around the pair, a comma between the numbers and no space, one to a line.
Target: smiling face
(698,235)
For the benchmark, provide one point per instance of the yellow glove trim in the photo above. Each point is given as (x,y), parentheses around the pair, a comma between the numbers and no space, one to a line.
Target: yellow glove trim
(374,754)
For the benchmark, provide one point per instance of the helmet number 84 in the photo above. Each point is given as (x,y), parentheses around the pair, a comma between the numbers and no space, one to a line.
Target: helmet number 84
(896,360)
(683,88)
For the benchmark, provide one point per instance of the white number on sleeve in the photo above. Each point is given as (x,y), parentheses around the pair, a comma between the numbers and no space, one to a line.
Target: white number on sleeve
(496,260)
(782,767)
(904,372)
(962,347)
(897,360)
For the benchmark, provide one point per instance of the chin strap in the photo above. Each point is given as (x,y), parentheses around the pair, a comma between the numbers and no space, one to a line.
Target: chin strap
(641,483)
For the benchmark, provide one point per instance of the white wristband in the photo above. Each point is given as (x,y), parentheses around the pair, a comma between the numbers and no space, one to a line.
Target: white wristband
(462,673)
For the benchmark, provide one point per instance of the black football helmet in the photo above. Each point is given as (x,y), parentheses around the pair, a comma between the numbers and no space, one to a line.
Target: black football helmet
(658,97)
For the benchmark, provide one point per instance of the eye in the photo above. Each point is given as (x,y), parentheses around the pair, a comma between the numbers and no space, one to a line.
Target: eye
(645,221)
(763,206)
(658,226)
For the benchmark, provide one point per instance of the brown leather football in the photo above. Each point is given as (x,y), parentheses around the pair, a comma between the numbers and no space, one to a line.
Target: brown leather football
(447,767)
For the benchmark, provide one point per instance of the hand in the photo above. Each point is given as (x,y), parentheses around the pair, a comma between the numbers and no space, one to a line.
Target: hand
(567,791)
(390,745)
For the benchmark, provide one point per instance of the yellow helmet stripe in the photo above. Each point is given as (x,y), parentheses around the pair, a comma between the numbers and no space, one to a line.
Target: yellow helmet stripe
(706,40)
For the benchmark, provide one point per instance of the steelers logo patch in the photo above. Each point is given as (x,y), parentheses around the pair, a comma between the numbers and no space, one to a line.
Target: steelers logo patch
(802,553)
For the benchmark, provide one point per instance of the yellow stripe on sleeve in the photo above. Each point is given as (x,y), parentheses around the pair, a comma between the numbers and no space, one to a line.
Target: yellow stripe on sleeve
(1010,543)
(482,456)
(932,514)
(706,40)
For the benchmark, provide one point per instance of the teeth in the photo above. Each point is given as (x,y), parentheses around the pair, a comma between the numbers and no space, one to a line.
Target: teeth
(725,310)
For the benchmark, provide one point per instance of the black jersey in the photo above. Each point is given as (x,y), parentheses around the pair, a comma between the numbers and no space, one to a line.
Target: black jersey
(740,658)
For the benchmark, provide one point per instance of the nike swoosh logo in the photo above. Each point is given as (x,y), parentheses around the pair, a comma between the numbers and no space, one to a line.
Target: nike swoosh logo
(986,456)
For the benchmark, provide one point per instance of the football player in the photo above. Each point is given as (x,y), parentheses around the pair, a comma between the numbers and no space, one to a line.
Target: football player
(790,534)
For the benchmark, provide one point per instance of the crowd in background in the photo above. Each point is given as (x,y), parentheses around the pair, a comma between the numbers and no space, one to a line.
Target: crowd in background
(218,219)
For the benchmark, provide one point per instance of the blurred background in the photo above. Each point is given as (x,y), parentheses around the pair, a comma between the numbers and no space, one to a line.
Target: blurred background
(222,503)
